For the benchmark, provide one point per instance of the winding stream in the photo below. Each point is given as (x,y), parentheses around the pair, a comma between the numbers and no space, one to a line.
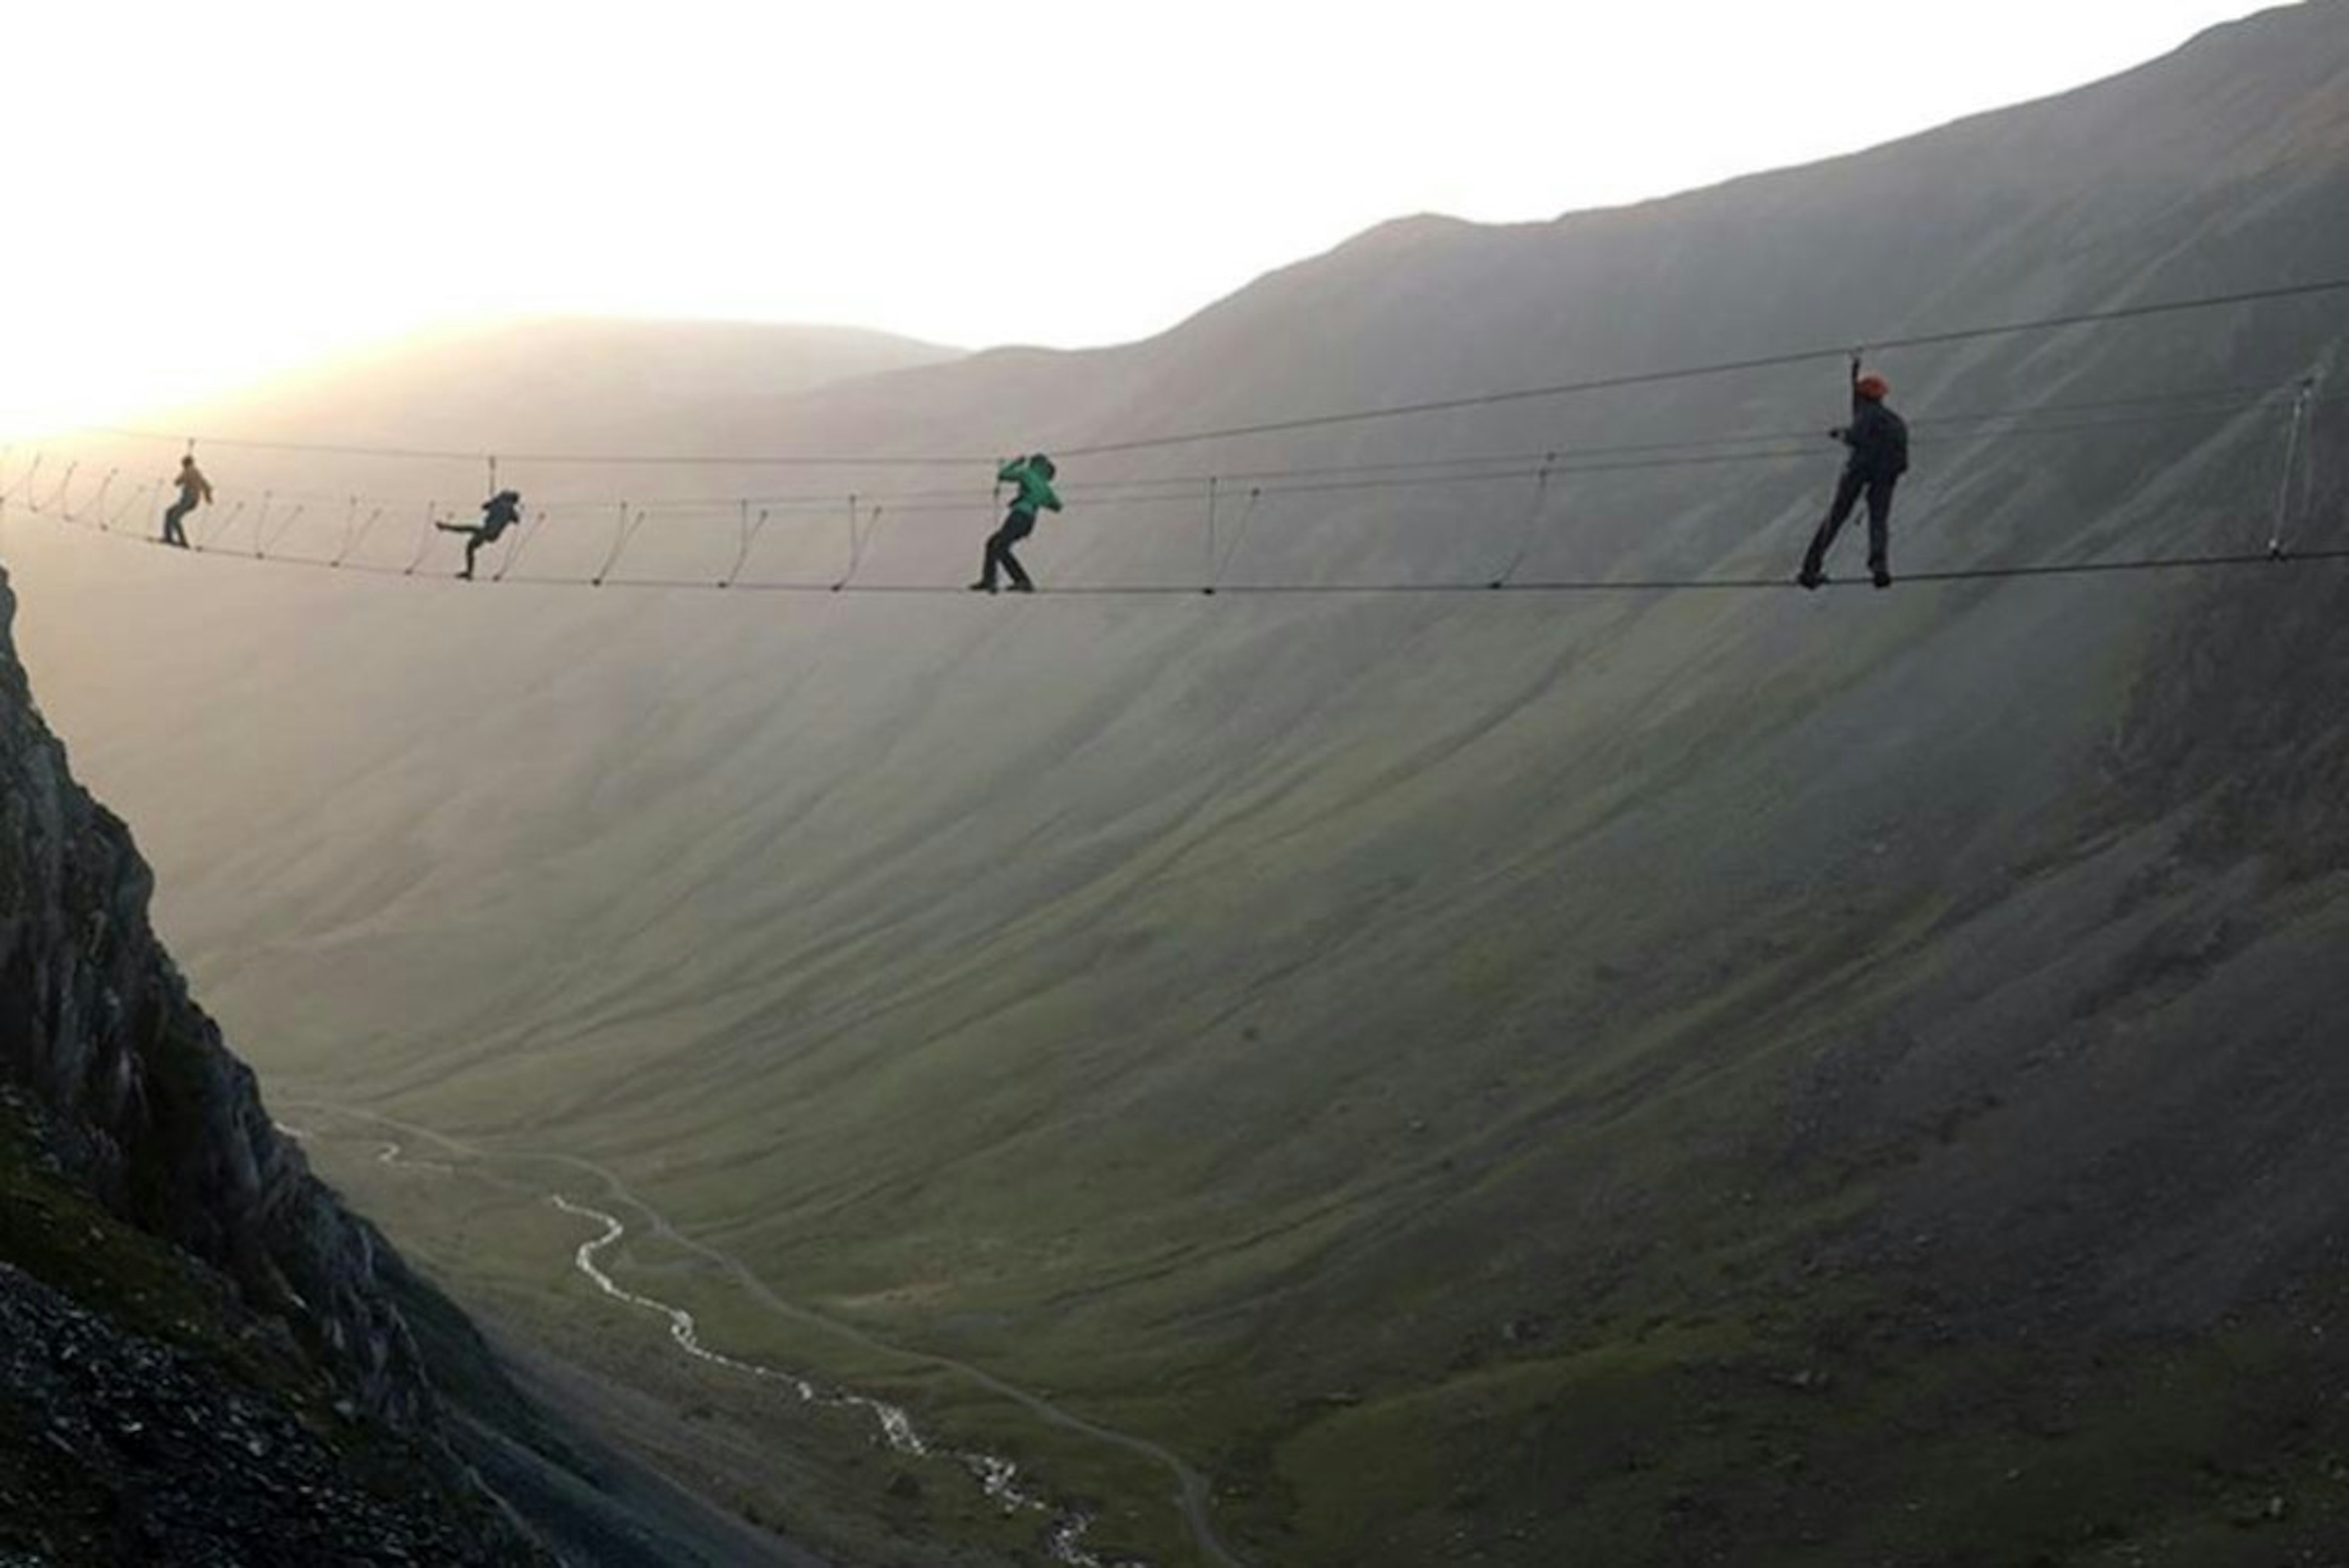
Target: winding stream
(998,1478)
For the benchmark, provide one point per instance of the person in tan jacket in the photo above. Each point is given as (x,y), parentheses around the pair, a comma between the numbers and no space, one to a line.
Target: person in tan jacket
(195,490)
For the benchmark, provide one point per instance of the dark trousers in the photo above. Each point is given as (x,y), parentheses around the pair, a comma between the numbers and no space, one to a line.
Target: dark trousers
(1854,484)
(1016,527)
(172,533)
(474,539)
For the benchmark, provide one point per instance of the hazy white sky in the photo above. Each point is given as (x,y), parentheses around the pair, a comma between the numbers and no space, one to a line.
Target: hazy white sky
(196,192)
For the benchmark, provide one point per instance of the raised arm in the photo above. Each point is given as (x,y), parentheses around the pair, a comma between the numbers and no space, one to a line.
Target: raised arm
(1843,432)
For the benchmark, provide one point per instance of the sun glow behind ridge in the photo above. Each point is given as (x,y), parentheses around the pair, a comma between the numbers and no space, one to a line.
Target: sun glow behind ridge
(200,195)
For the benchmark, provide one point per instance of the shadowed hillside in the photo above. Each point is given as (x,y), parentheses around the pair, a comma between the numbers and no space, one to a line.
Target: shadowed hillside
(1640,1078)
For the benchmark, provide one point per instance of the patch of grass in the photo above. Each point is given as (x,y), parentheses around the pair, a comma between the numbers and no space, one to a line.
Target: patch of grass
(1385,1480)
(60,1236)
(143,1285)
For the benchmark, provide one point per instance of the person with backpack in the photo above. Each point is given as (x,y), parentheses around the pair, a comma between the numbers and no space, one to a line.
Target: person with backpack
(1032,479)
(1879,440)
(195,490)
(500,512)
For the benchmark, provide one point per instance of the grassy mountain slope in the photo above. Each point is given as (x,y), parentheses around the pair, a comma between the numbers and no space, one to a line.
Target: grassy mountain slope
(1643,1078)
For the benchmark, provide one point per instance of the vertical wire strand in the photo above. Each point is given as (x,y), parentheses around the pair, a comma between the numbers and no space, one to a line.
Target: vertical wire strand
(2291,446)
(423,539)
(522,538)
(1533,521)
(1239,537)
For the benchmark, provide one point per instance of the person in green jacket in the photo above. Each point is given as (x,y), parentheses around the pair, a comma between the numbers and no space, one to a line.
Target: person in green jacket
(1032,476)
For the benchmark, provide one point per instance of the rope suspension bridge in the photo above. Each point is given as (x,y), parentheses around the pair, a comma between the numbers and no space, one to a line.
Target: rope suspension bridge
(1228,501)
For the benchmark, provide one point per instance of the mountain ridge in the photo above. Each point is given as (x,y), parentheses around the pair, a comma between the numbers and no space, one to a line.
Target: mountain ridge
(1648,1079)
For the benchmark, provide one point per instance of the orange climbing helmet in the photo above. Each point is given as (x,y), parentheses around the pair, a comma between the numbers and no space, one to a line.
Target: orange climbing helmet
(1872,387)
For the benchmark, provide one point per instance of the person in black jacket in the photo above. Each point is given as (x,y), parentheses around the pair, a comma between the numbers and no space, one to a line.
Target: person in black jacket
(1879,440)
(500,512)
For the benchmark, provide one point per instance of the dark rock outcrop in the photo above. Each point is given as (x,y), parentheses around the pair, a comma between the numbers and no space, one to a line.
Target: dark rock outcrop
(130,1102)
(153,1113)
(138,1453)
